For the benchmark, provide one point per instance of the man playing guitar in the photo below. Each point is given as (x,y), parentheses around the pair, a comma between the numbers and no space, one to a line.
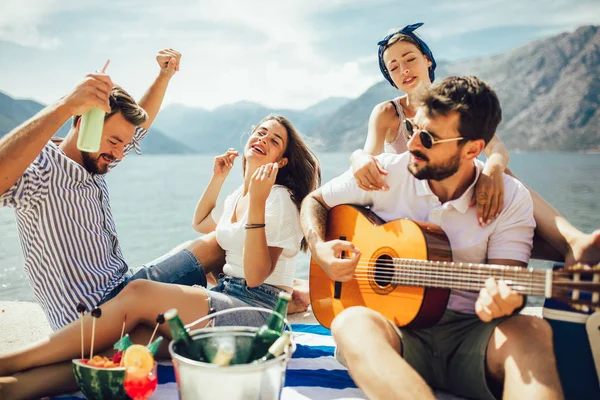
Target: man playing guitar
(478,349)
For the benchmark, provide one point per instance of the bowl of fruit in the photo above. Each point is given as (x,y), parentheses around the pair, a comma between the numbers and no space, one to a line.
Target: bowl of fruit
(100,377)
(129,374)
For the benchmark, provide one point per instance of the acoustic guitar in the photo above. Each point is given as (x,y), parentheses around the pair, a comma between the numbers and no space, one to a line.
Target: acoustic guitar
(406,272)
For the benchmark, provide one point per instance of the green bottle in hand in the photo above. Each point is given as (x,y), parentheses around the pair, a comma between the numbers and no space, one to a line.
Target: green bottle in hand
(268,333)
(185,346)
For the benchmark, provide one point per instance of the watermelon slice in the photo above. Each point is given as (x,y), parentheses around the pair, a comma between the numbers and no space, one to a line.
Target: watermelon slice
(100,383)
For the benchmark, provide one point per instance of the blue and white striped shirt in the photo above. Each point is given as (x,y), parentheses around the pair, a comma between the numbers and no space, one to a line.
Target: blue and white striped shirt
(67,233)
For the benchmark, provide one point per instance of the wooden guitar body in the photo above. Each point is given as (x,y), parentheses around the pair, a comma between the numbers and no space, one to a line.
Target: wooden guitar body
(372,287)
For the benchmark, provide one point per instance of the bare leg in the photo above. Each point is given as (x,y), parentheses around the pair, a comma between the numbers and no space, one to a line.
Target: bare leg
(141,300)
(209,253)
(58,378)
(574,245)
(375,364)
(49,380)
(520,355)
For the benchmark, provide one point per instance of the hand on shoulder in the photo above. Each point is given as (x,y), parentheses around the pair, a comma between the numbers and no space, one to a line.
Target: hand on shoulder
(368,171)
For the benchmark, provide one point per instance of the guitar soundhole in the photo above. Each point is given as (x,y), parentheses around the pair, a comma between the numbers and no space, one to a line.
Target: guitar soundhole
(384,271)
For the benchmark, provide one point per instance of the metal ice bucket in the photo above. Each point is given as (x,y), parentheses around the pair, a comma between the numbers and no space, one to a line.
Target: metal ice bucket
(200,380)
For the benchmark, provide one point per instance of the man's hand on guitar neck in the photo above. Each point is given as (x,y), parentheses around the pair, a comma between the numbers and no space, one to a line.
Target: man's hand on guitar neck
(496,300)
(329,256)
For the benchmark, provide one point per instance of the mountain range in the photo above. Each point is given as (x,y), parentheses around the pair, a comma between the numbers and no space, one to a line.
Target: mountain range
(13,112)
(549,90)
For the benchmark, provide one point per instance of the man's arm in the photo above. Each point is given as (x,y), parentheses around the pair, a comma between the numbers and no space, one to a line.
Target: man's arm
(510,243)
(168,60)
(313,218)
(20,147)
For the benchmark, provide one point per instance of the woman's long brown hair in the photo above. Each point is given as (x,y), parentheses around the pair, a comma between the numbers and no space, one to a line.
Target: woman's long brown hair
(302,173)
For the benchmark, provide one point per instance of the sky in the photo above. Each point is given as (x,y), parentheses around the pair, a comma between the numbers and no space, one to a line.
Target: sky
(280,53)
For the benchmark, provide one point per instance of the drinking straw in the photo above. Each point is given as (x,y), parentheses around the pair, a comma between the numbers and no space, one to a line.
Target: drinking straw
(105,66)
(123,328)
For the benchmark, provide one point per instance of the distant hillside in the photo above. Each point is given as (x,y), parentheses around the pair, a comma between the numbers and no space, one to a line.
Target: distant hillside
(327,106)
(346,129)
(13,112)
(549,91)
(229,125)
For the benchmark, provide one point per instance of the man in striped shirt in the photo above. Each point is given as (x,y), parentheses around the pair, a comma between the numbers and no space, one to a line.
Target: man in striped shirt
(61,200)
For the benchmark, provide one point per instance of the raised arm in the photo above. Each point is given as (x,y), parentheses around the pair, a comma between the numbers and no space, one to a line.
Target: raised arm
(368,172)
(168,60)
(202,220)
(489,191)
(259,259)
(20,147)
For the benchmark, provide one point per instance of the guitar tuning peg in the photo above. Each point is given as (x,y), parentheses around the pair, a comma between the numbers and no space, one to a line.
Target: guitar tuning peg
(581,307)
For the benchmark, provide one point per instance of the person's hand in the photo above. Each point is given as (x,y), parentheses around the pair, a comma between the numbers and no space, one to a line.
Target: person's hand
(327,255)
(369,173)
(224,162)
(262,181)
(168,60)
(488,196)
(93,91)
(496,300)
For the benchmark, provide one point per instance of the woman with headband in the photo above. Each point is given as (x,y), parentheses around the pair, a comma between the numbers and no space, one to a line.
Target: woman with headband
(407,63)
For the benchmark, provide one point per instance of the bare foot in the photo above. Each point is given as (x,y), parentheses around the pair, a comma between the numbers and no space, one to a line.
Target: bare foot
(300,297)
(584,249)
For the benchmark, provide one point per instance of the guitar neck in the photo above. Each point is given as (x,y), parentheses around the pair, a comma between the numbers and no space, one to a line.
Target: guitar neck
(472,277)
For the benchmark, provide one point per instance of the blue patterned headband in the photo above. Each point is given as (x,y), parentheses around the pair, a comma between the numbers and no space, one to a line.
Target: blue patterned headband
(408,30)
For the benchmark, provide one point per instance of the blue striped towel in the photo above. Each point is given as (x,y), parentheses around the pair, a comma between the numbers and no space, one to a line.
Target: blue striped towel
(312,373)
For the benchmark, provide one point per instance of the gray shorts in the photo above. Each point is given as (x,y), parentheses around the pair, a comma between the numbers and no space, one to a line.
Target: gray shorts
(233,293)
(451,355)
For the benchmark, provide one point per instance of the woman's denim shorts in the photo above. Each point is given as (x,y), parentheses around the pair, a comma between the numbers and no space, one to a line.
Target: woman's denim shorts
(233,292)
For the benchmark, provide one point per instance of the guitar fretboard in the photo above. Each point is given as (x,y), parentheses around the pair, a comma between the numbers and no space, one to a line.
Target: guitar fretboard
(468,276)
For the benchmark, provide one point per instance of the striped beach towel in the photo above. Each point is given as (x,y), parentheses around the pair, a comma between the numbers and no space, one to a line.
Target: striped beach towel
(312,373)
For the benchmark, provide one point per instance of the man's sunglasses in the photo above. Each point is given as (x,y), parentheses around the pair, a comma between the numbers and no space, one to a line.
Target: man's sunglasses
(426,138)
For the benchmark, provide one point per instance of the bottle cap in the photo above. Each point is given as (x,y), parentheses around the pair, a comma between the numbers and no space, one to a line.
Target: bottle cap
(285,295)
(278,347)
(170,314)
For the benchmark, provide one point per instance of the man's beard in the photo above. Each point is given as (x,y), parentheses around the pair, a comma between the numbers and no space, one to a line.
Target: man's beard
(91,163)
(434,172)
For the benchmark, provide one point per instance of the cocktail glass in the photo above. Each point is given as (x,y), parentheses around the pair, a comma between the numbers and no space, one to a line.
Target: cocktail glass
(140,386)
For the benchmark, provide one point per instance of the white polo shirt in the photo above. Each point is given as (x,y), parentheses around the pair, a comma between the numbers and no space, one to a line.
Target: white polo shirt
(509,236)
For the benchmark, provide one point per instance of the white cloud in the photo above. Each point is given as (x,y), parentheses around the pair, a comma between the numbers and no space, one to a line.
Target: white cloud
(20,21)
(269,51)
(476,15)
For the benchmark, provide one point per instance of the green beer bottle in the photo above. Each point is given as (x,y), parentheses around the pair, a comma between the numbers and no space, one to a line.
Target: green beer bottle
(185,346)
(225,353)
(276,348)
(268,333)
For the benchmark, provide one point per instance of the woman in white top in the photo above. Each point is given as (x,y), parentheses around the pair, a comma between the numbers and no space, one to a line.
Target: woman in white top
(258,227)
